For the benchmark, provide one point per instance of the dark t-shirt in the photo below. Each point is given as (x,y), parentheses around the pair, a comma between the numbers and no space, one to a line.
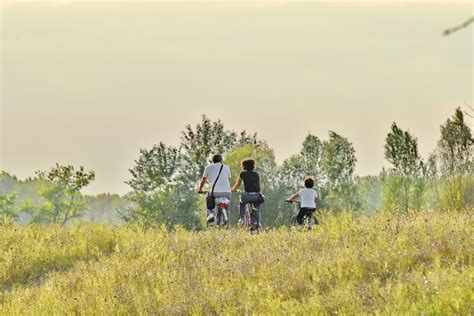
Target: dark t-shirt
(251,181)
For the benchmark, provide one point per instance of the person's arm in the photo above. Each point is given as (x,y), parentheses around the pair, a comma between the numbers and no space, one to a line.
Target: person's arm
(293,198)
(316,198)
(202,184)
(237,184)
(258,183)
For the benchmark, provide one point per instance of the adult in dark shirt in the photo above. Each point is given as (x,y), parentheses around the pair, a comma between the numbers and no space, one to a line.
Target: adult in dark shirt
(251,180)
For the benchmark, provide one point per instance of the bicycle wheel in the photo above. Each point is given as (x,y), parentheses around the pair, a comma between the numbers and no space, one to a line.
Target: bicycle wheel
(294,221)
(255,219)
(247,218)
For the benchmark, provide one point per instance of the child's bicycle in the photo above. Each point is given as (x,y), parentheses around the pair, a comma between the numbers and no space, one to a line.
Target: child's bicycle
(308,218)
(220,214)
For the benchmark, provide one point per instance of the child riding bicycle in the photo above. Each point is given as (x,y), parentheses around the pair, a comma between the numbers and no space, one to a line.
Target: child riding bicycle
(308,197)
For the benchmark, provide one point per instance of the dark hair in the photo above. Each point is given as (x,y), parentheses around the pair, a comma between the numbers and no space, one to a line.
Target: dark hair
(216,158)
(309,182)
(248,164)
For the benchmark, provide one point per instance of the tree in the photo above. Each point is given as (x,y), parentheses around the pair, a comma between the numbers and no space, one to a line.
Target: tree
(198,144)
(401,150)
(368,192)
(311,154)
(8,211)
(456,146)
(61,190)
(161,193)
(338,164)
(432,176)
(292,172)
(156,168)
(274,206)
(164,178)
(306,163)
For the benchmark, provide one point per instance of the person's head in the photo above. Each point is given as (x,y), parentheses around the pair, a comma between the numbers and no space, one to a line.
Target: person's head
(309,182)
(217,158)
(248,164)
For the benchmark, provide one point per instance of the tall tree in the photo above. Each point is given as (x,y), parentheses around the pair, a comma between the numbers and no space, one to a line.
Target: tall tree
(456,146)
(401,150)
(198,144)
(338,164)
(311,154)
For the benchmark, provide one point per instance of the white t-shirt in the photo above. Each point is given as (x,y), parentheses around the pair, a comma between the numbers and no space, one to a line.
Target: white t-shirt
(211,172)
(308,197)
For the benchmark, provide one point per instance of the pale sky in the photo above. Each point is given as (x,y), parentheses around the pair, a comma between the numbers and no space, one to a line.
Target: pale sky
(90,83)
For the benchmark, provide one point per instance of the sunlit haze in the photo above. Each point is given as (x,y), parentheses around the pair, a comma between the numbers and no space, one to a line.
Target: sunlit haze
(90,83)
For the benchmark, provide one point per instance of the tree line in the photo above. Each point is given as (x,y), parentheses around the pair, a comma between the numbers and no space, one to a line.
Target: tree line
(163,179)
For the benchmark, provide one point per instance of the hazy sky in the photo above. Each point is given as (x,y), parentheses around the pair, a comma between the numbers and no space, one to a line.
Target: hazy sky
(91,83)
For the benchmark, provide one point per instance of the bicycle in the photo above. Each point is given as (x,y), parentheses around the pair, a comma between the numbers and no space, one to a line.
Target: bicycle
(307,219)
(251,220)
(220,213)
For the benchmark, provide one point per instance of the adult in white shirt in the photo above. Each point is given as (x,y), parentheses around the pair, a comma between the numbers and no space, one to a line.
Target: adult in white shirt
(222,187)
(308,198)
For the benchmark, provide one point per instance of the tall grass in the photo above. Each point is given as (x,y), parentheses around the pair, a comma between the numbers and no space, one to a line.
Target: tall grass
(414,263)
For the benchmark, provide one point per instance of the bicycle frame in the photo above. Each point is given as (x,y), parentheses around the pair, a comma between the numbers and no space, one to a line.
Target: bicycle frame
(248,222)
(221,215)
(307,219)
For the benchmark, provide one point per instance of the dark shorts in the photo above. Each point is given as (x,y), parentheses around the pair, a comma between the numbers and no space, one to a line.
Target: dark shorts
(305,211)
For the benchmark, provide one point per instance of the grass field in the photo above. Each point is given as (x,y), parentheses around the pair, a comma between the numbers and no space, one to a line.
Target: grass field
(404,264)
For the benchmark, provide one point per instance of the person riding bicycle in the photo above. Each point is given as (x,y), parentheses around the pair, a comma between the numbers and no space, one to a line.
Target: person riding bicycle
(308,197)
(251,194)
(217,170)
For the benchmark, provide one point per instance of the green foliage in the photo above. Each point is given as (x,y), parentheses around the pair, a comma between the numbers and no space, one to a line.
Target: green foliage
(8,211)
(456,146)
(292,172)
(164,178)
(401,150)
(61,190)
(415,263)
(156,168)
(104,208)
(274,211)
(458,193)
(161,191)
(338,160)
(338,164)
(198,144)
(369,190)
(311,154)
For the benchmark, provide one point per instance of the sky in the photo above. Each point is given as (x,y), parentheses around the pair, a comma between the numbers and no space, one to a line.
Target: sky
(90,83)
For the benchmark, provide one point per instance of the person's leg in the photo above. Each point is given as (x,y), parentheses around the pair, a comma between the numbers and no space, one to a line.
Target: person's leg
(242,211)
(258,215)
(300,216)
(310,219)
(315,219)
